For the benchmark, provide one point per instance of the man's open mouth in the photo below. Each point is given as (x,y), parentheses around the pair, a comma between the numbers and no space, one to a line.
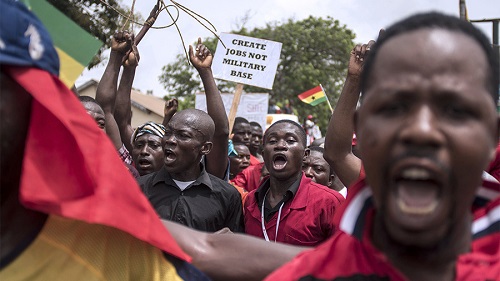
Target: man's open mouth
(144,163)
(418,190)
(169,155)
(279,162)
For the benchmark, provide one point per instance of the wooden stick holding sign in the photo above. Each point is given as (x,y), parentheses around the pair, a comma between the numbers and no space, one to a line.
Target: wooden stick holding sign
(234,105)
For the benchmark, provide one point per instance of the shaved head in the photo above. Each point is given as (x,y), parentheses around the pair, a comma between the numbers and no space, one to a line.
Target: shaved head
(198,120)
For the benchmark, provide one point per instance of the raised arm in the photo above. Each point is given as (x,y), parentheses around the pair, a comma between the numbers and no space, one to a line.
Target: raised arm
(123,104)
(338,140)
(216,162)
(170,109)
(106,90)
(231,256)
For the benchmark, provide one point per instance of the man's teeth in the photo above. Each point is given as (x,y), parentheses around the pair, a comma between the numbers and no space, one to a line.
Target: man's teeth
(421,210)
(416,174)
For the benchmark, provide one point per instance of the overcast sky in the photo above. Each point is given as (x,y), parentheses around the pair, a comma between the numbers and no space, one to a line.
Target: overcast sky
(364,17)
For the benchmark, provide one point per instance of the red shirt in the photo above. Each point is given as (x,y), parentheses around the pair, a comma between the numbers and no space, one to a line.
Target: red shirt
(306,219)
(350,255)
(250,178)
(254,160)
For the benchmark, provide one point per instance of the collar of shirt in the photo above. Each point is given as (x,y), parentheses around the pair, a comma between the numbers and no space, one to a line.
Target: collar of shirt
(164,176)
(352,216)
(262,191)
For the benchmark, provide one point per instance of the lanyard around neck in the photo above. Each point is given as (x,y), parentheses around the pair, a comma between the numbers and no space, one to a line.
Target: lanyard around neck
(264,231)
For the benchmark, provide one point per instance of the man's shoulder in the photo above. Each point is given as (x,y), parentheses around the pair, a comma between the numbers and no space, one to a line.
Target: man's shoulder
(61,239)
(321,192)
(251,199)
(222,186)
(472,266)
(146,180)
(323,261)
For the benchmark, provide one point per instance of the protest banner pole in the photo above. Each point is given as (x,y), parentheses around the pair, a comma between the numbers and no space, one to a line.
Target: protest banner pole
(327,100)
(234,105)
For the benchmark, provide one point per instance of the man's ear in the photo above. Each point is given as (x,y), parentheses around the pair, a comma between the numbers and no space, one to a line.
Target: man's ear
(307,152)
(206,147)
(331,179)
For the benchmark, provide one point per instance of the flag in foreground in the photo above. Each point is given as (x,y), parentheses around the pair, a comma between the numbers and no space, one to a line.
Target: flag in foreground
(314,96)
(74,45)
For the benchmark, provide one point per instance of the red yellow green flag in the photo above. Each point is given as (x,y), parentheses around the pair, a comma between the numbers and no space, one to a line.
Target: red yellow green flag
(74,45)
(314,96)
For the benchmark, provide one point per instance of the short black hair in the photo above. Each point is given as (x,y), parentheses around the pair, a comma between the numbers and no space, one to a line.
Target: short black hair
(302,132)
(88,99)
(255,124)
(238,121)
(239,144)
(435,20)
(317,148)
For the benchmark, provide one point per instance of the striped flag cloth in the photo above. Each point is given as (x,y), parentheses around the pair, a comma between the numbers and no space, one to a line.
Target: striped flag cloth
(313,96)
(74,45)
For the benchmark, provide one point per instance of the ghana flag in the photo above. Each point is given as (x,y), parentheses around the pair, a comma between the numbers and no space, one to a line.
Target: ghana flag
(74,45)
(314,96)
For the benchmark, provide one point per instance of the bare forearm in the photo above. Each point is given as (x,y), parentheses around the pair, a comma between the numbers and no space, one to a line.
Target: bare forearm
(217,158)
(232,256)
(215,106)
(106,90)
(123,105)
(338,141)
(166,119)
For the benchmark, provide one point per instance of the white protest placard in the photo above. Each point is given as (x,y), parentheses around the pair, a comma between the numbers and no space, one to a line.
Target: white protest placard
(253,107)
(246,60)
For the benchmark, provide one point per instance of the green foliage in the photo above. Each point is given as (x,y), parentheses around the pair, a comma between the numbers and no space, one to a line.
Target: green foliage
(97,19)
(179,78)
(184,102)
(315,51)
